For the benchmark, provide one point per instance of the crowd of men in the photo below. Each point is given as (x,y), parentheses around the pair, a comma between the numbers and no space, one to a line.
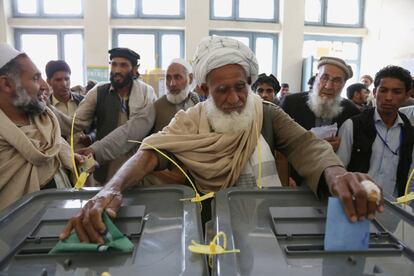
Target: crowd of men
(330,143)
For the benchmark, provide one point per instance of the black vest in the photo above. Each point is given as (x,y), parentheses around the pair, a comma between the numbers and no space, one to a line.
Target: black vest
(364,136)
(106,113)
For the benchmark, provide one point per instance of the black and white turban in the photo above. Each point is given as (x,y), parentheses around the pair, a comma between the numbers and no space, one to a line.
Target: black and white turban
(216,51)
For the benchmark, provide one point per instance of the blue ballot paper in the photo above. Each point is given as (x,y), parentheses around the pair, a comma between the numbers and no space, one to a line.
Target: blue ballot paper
(340,233)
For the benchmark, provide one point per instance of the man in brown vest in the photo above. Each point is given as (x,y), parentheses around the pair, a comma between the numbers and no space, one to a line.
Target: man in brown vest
(124,111)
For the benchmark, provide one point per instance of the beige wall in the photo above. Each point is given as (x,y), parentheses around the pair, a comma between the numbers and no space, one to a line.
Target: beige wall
(387,38)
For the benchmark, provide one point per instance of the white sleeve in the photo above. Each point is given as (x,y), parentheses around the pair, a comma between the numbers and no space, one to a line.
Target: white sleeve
(346,133)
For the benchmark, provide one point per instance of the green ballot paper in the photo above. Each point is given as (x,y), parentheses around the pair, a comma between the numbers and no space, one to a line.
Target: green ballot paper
(114,240)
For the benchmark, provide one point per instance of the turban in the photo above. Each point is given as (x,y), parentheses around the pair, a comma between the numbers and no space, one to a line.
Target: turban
(184,63)
(132,56)
(338,63)
(271,80)
(216,51)
(7,53)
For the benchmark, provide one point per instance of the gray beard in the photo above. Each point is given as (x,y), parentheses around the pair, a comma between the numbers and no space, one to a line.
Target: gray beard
(180,97)
(32,106)
(322,107)
(230,123)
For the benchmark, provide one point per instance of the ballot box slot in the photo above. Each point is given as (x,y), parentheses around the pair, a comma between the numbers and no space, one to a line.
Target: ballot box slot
(130,221)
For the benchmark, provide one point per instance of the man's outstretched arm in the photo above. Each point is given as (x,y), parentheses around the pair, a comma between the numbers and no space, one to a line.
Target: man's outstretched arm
(88,222)
(347,187)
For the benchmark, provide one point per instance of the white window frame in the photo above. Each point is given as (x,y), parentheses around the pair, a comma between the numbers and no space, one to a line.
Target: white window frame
(236,17)
(138,12)
(324,11)
(41,13)
(252,38)
(18,32)
(158,33)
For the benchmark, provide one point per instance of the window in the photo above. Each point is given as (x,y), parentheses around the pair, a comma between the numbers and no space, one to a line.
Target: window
(148,8)
(47,8)
(264,45)
(334,12)
(156,47)
(45,45)
(346,48)
(258,10)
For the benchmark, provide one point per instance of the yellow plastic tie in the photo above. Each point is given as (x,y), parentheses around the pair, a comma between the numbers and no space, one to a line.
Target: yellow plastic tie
(259,177)
(197,197)
(80,182)
(72,150)
(213,248)
(407,197)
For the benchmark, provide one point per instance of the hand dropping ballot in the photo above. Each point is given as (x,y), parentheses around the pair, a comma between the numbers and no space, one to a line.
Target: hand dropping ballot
(340,233)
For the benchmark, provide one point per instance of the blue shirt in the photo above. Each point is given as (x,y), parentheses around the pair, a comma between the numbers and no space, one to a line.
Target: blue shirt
(383,163)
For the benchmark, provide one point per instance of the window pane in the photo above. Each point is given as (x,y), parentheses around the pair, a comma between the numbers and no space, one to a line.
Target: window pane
(161,7)
(313,11)
(171,48)
(223,8)
(264,54)
(125,7)
(27,6)
(260,9)
(73,55)
(144,45)
(40,48)
(343,12)
(72,7)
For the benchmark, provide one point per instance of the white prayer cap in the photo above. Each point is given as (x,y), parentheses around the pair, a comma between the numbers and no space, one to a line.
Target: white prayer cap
(7,53)
(216,51)
(184,63)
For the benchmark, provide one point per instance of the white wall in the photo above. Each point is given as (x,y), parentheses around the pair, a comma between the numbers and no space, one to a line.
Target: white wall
(390,37)
(387,39)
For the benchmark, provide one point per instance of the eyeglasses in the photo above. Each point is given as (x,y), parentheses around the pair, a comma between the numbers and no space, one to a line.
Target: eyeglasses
(338,81)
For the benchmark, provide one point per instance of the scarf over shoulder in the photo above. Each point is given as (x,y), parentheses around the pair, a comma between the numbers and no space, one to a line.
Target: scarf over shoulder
(29,156)
(215,160)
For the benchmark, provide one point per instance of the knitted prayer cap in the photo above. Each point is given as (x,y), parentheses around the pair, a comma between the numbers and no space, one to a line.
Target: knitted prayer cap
(338,63)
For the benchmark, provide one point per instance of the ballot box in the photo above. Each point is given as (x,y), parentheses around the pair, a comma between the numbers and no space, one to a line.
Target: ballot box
(280,231)
(159,225)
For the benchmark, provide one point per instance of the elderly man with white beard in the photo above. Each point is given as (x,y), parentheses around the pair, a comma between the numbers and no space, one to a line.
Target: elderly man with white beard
(323,106)
(218,142)
(178,80)
(33,155)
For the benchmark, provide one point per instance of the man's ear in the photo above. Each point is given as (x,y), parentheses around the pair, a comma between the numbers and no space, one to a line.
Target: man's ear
(190,77)
(7,84)
(374,91)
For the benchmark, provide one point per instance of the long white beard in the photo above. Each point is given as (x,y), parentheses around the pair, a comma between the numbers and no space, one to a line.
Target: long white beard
(230,123)
(22,99)
(180,97)
(322,107)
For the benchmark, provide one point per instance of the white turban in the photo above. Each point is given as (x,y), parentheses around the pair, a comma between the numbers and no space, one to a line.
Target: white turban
(216,51)
(7,53)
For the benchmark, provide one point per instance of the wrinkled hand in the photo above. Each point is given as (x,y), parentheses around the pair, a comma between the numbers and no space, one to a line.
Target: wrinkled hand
(88,222)
(85,140)
(79,159)
(86,151)
(335,141)
(346,186)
